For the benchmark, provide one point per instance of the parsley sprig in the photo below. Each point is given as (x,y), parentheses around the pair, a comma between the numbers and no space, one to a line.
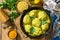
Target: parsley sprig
(9,4)
(13,15)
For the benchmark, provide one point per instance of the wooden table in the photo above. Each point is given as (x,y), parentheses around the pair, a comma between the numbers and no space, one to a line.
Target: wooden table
(21,35)
(0,31)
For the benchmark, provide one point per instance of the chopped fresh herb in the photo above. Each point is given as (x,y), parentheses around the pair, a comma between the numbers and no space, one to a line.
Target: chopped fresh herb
(32,30)
(9,4)
(43,22)
(3,5)
(31,17)
(13,15)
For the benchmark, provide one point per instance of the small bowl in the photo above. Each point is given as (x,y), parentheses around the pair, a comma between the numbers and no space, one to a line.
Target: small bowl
(28,10)
(10,31)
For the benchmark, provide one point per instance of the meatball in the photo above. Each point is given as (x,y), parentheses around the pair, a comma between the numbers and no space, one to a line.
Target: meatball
(41,15)
(33,13)
(27,28)
(48,20)
(26,19)
(36,22)
(45,27)
(37,31)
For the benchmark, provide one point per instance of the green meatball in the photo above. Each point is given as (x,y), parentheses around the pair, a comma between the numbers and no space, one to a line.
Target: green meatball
(36,22)
(26,19)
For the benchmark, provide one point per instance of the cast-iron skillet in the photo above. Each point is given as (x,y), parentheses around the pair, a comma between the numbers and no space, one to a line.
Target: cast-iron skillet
(28,10)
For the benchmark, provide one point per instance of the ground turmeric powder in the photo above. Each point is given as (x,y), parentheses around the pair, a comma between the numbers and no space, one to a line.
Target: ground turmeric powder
(12,34)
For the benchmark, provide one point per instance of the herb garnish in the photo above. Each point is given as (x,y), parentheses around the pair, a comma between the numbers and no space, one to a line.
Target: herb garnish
(9,4)
(31,17)
(44,22)
(13,15)
(32,30)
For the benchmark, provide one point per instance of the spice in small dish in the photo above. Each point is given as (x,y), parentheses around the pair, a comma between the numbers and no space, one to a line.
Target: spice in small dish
(12,34)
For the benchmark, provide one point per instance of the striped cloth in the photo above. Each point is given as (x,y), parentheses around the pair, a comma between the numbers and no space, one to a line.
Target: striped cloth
(55,18)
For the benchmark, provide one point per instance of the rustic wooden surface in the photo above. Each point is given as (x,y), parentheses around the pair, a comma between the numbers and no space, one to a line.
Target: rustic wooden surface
(5,34)
(0,27)
(0,31)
